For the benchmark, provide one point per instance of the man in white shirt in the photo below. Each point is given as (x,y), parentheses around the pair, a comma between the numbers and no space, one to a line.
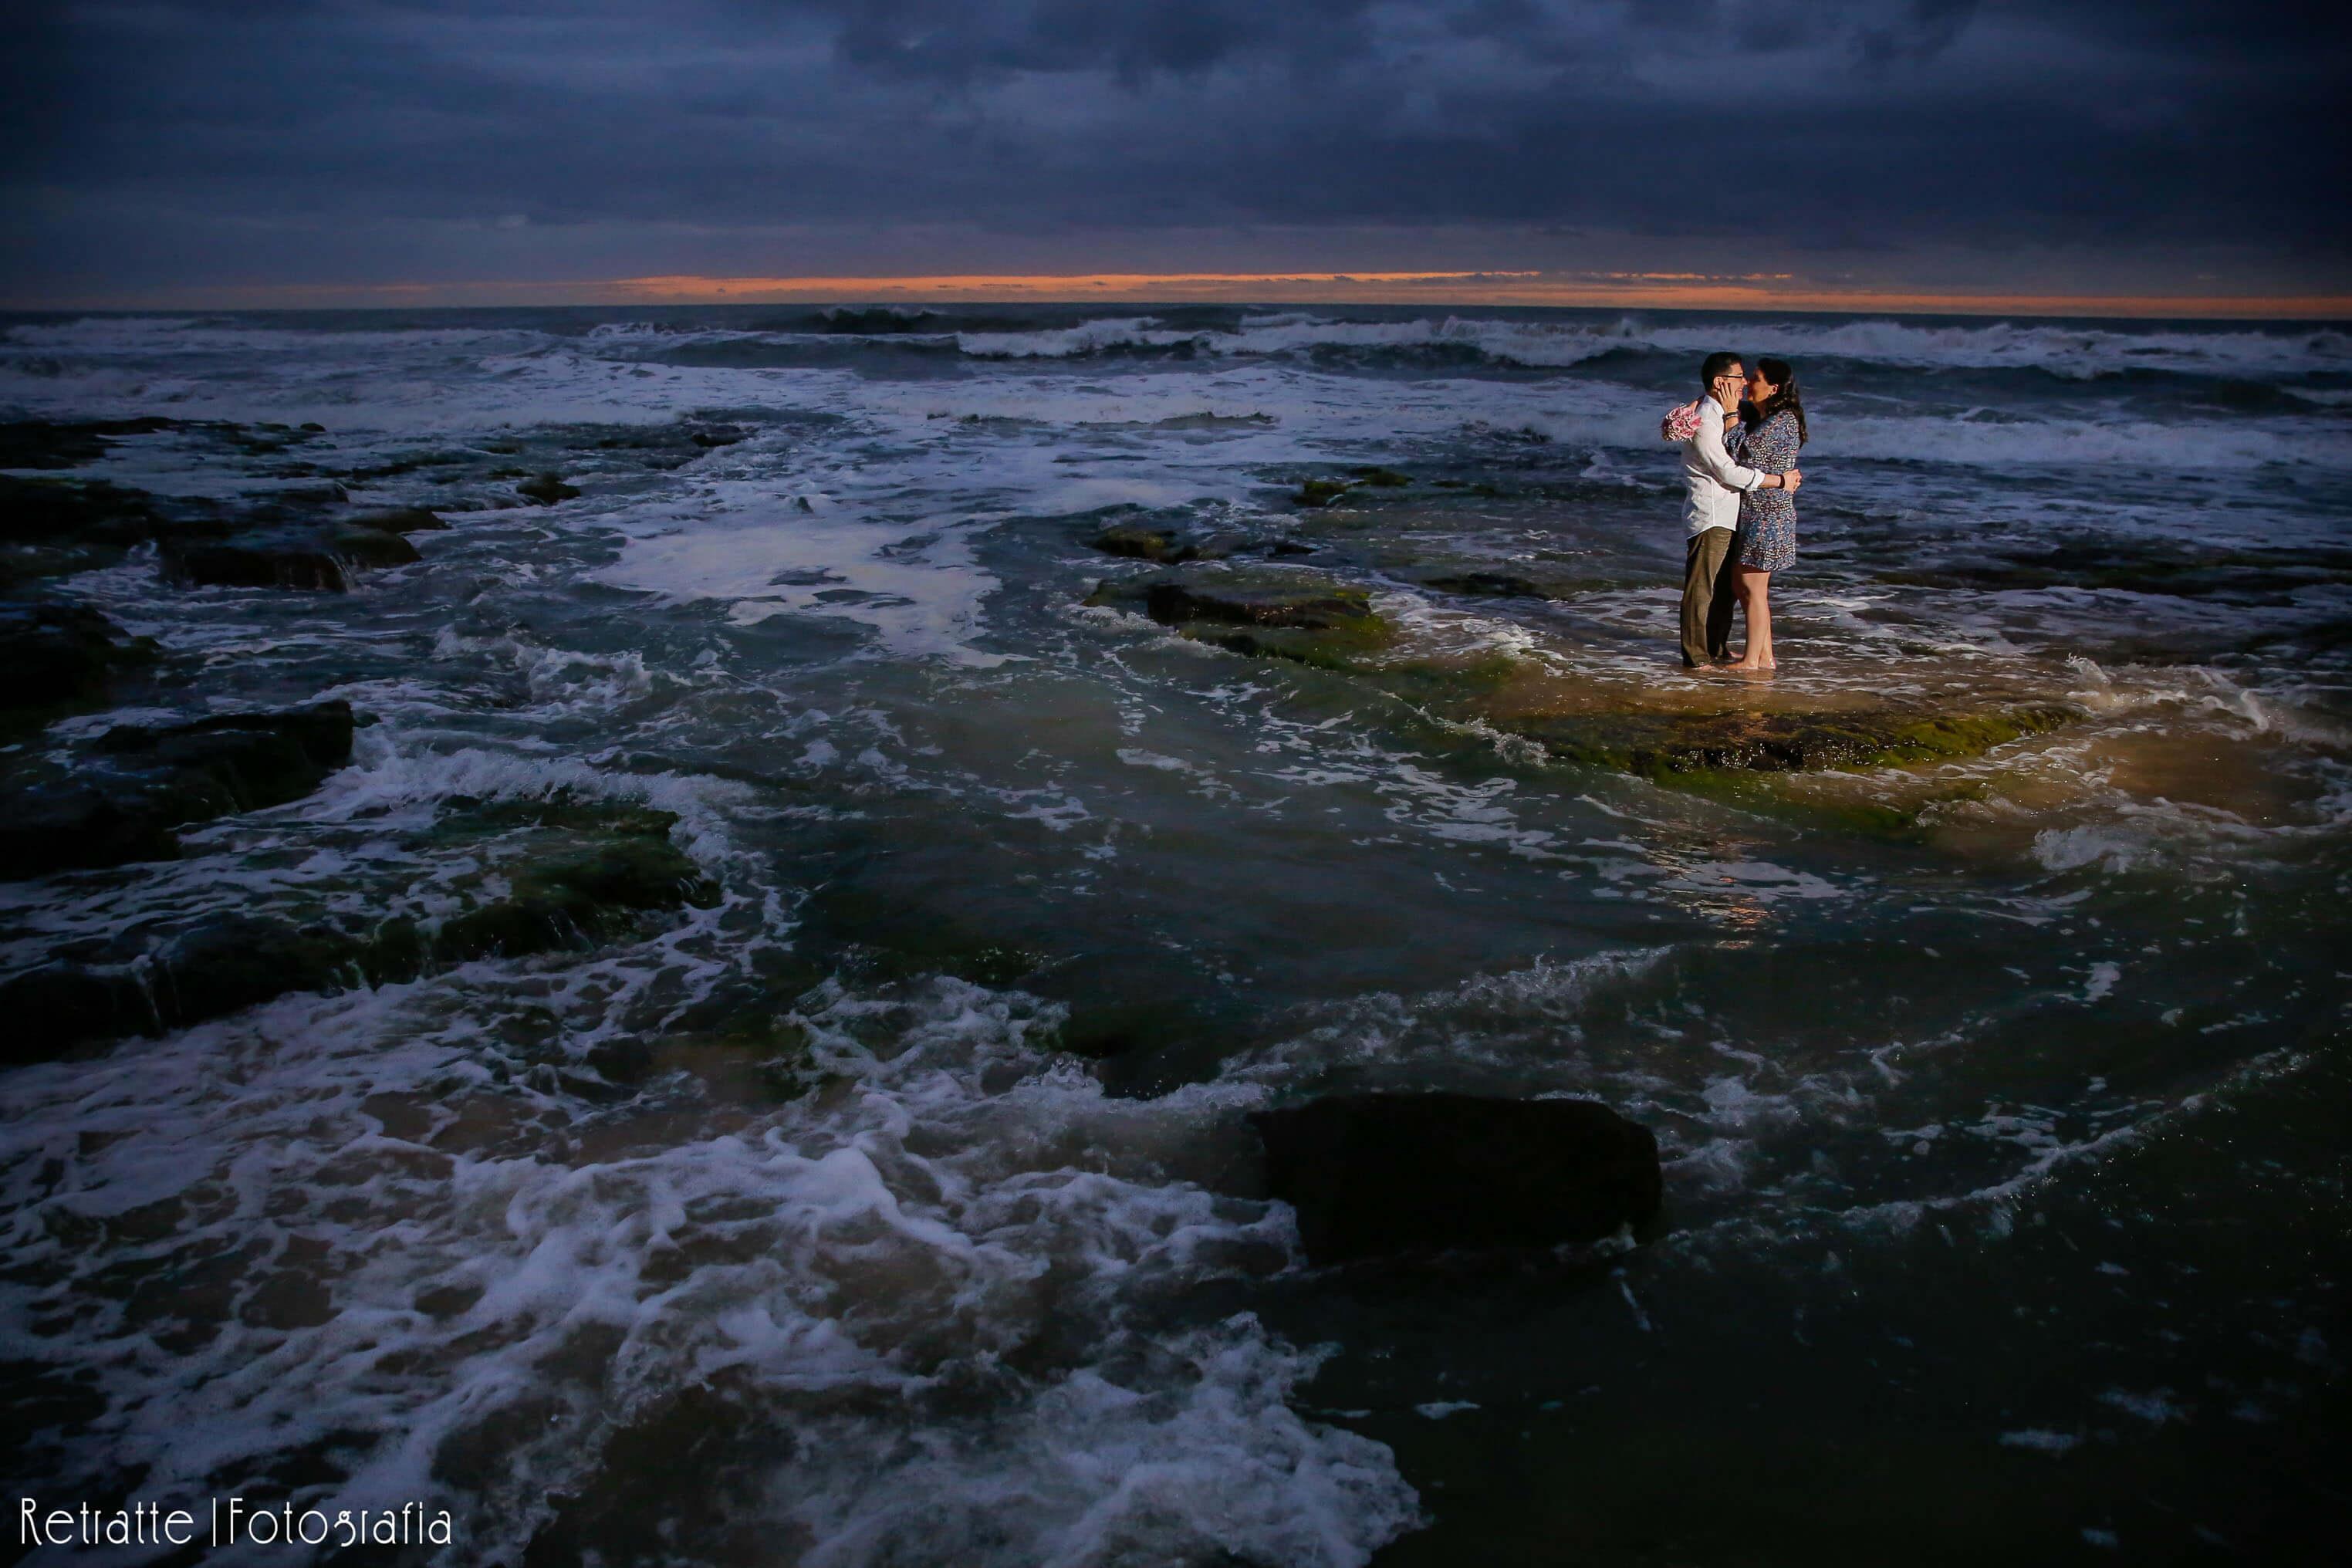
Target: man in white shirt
(1713,484)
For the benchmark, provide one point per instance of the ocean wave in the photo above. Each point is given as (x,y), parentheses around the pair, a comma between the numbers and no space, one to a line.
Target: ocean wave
(2072,352)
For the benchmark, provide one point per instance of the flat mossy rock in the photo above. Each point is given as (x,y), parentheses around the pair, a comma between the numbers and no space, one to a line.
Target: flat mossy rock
(1320,492)
(1658,743)
(1373,1176)
(317,558)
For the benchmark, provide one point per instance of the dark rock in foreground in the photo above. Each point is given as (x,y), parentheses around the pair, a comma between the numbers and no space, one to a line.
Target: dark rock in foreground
(143,781)
(1375,1175)
(57,655)
(223,966)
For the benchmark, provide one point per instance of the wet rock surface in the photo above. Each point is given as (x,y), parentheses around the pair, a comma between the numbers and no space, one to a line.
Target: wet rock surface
(1374,1175)
(323,557)
(223,966)
(546,490)
(126,791)
(1165,546)
(59,654)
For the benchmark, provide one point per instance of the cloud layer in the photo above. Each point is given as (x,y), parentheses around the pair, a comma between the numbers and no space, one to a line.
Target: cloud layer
(2167,143)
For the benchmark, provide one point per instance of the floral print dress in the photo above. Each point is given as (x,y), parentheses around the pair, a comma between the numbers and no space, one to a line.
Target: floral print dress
(1767,518)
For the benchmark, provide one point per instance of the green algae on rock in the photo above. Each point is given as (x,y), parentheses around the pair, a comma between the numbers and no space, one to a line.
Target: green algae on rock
(1658,743)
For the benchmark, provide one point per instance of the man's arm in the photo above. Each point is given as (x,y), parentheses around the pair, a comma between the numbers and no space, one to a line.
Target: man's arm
(1717,461)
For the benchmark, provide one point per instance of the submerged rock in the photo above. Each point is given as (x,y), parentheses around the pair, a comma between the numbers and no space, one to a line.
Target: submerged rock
(579,892)
(1375,1174)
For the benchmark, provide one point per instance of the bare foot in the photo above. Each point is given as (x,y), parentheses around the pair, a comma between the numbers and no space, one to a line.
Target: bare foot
(1745,668)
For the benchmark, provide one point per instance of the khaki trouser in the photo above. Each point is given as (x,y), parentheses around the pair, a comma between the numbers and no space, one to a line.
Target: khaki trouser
(1708,597)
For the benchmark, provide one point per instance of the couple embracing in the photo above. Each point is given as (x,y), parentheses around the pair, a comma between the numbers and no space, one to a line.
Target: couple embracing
(1741,479)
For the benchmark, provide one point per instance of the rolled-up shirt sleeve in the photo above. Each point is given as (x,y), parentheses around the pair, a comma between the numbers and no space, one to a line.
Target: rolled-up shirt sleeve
(1708,443)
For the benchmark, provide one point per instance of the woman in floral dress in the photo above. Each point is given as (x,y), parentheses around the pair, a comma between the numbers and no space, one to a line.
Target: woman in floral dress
(1768,517)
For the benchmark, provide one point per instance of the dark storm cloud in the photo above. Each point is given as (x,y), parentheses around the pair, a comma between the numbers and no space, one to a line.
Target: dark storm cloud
(1795,124)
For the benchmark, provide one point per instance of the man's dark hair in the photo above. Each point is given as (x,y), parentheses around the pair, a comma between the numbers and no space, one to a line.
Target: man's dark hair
(1716,365)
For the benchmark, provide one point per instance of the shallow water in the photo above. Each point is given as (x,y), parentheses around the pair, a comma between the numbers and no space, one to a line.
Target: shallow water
(2003,1097)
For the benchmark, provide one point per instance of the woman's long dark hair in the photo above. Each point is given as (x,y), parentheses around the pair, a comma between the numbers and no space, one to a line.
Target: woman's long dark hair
(1784,394)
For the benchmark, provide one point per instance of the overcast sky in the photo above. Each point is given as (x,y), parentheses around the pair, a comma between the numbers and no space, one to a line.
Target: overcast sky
(2081,146)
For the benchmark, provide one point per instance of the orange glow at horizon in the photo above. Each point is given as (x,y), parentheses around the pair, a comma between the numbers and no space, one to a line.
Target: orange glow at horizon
(1655,291)
(1638,290)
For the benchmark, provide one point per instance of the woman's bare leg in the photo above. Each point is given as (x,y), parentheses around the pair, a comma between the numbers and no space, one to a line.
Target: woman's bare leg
(1755,597)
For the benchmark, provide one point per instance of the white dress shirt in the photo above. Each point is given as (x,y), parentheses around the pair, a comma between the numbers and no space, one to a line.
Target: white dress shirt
(1715,480)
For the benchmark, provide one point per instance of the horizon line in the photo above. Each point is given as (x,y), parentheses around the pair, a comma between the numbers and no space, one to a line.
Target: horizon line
(1642,291)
